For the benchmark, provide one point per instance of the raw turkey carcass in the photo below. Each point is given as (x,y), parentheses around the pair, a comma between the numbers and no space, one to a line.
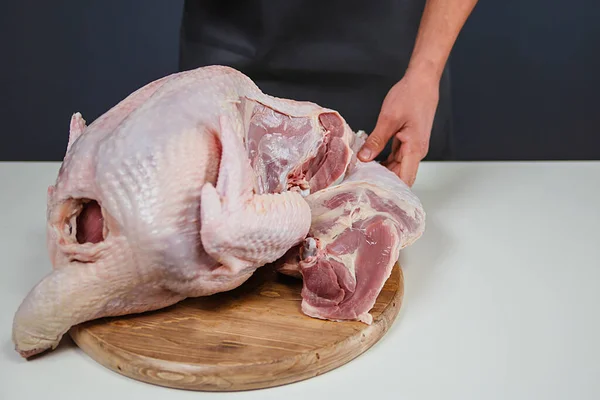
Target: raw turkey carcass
(183,189)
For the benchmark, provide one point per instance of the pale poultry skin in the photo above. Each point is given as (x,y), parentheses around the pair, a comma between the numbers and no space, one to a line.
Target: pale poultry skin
(183,189)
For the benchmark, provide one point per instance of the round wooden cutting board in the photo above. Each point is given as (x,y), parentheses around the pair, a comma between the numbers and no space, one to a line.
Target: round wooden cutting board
(253,337)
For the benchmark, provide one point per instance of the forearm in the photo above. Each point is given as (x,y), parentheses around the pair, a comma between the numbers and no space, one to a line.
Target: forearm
(440,25)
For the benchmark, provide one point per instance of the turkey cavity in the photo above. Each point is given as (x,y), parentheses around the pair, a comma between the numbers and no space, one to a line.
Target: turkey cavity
(89,223)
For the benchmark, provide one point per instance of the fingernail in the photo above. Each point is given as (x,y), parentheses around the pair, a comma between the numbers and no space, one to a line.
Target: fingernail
(365,154)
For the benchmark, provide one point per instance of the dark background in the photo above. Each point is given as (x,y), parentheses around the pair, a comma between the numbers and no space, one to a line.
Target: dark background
(525,73)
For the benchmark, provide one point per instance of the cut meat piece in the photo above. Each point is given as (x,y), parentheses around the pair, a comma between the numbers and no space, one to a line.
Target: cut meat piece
(358,228)
(287,152)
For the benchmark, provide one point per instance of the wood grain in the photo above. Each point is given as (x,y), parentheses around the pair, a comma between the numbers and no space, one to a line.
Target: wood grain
(253,337)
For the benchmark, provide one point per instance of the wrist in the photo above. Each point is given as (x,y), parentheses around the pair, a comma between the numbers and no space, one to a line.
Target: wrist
(426,71)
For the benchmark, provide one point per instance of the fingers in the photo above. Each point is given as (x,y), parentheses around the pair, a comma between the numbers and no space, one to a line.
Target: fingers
(408,168)
(395,166)
(404,166)
(384,130)
(395,151)
(407,153)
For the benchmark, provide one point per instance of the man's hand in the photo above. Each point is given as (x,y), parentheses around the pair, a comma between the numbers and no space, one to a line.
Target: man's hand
(409,108)
(406,116)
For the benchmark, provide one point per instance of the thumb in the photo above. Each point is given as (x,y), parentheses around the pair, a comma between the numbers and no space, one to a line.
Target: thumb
(376,141)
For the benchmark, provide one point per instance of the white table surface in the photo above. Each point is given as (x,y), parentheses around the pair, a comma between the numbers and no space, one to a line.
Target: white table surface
(502,295)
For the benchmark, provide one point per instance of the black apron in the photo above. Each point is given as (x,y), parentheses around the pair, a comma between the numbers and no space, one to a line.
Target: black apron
(340,54)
